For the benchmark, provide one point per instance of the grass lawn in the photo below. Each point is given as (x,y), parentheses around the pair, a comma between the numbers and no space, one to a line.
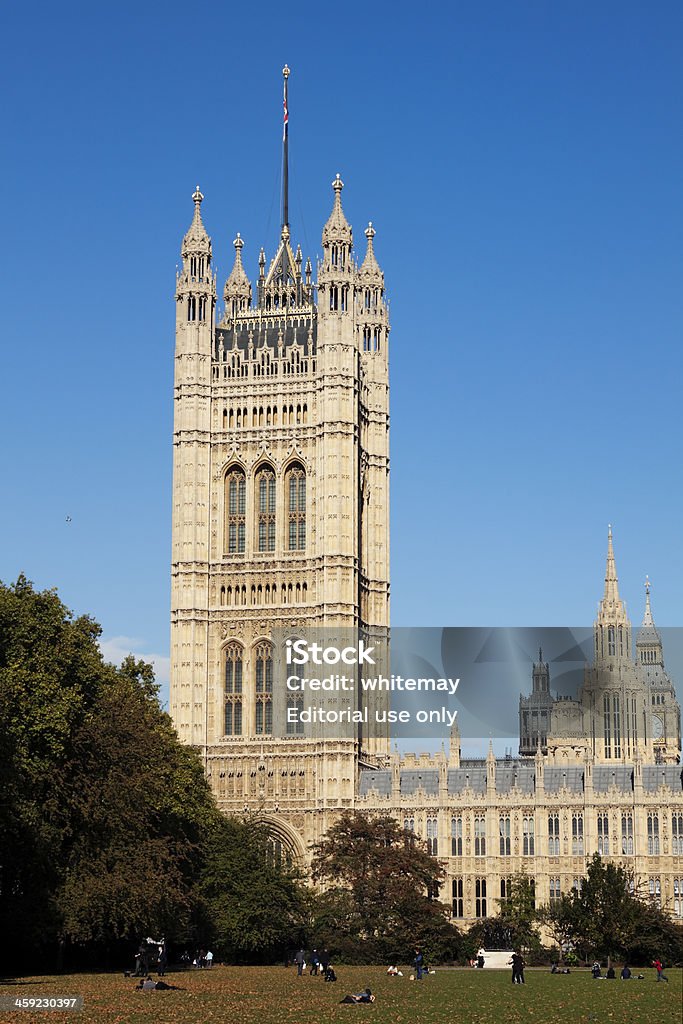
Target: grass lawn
(275,995)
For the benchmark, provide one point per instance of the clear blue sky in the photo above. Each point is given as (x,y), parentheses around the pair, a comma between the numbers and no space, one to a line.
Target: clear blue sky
(522,163)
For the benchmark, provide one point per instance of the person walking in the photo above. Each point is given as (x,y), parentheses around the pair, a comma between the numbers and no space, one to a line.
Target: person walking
(418,964)
(315,963)
(300,960)
(163,959)
(659,967)
(209,958)
(324,960)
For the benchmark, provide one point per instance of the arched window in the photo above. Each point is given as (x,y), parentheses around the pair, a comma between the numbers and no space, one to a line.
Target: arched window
(607,726)
(235,507)
(295,489)
(233,690)
(264,688)
(265,504)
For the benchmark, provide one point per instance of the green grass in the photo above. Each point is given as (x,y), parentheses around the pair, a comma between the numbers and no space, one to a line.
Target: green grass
(273,995)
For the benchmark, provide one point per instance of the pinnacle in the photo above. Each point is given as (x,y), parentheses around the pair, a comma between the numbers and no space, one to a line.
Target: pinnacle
(337,227)
(238,283)
(196,236)
(370,266)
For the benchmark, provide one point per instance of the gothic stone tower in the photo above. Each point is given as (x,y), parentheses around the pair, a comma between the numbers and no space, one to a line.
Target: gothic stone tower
(280,508)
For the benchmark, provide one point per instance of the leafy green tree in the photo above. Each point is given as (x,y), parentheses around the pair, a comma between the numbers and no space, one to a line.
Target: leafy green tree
(49,671)
(102,811)
(379,887)
(609,918)
(255,904)
(140,809)
(518,917)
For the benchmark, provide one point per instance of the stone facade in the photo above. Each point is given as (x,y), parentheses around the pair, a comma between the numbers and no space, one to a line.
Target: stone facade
(281,524)
(280,507)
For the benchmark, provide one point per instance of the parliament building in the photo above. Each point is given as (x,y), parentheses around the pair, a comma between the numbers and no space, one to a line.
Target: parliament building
(281,526)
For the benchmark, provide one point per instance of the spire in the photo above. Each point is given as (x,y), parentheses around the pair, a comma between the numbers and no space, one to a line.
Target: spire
(647,617)
(285,154)
(540,674)
(611,579)
(612,609)
(337,228)
(648,640)
(237,292)
(370,268)
(196,239)
(612,627)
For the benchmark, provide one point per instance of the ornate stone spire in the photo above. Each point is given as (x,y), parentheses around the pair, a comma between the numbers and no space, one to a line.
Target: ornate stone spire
(196,239)
(648,635)
(337,228)
(612,627)
(611,603)
(370,269)
(237,292)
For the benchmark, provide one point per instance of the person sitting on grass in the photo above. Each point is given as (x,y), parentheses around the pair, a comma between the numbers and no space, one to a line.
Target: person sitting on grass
(330,974)
(360,997)
(626,973)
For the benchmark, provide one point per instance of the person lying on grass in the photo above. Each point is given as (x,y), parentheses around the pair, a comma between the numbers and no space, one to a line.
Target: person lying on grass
(148,984)
(360,997)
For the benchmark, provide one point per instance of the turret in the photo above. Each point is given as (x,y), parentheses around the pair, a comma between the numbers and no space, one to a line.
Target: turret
(237,294)
(195,306)
(540,675)
(370,302)
(648,640)
(195,282)
(612,628)
(337,269)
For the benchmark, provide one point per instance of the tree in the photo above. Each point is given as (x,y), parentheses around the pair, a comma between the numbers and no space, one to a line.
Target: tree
(140,810)
(608,918)
(379,897)
(255,904)
(102,811)
(518,915)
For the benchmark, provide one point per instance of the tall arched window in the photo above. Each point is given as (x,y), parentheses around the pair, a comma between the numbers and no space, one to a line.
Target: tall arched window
(235,506)
(265,504)
(295,489)
(233,690)
(264,688)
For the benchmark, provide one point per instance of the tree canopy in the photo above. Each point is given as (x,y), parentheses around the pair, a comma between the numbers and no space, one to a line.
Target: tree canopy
(256,904)
(608,917)
(108,828)
(102,811)
(380,896)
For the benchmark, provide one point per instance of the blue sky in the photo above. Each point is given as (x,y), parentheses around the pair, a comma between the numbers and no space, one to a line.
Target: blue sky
(521,163)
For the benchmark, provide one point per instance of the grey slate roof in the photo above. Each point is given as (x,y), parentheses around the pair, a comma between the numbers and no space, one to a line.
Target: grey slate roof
(605,776)
(294,327)
(654,775)
(515,774)
(426,780)
(556,779)
(462,778)
(378,781)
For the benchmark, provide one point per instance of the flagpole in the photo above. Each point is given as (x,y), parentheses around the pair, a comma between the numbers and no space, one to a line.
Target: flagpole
(285,155)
